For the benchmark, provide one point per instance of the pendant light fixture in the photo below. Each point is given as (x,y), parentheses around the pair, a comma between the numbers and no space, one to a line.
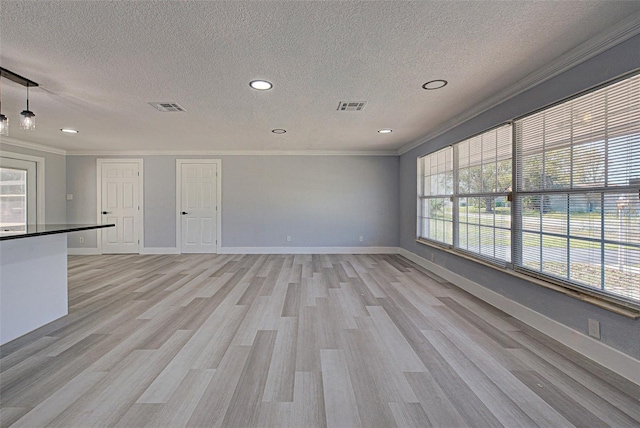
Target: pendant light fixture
(4,125)
(4,122)
(28,119)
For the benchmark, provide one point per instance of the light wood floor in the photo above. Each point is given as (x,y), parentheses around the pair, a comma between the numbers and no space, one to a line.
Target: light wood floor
(293,341)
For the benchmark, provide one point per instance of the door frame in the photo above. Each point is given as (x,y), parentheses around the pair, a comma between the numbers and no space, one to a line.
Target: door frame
(99,163)
(218,163)
(40,180)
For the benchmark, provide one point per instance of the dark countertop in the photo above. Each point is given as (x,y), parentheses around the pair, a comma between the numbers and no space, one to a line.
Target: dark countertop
(48,229)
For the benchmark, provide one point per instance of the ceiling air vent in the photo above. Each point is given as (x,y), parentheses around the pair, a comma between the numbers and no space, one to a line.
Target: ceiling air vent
(168,107)
(351,105)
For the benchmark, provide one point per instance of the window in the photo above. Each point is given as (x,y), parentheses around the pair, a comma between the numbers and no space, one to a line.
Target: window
(17,194)
(463,196)
(484,184)
(578,207)
(572,215)
(435,189)
(13,197)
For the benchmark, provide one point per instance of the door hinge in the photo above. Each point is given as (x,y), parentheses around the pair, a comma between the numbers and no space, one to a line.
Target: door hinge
(138,207)
(138,242)
(138,173)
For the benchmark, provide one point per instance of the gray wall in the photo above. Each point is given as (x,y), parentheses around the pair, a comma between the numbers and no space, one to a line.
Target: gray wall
(617,331)
(55,182)
(317,200)
(81,183)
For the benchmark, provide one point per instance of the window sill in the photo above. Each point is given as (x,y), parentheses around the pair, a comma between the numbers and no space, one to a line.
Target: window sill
(610,303)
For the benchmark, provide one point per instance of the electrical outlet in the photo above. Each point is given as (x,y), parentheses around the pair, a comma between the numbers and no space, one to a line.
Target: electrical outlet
(594,328)
(82,239)
(288,238)
(361,238)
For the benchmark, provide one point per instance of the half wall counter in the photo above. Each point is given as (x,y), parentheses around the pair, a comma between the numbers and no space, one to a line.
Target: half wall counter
(33,276)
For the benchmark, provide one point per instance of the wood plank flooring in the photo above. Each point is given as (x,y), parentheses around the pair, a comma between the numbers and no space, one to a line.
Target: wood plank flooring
(293,341)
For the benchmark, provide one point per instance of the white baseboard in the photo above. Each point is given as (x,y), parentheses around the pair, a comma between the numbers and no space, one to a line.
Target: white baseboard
(257,250)
(603,354)
(83,251)
(159,250)
(308,250)
(95,251)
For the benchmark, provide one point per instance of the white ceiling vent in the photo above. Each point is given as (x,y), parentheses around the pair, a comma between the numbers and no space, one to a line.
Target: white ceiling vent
(351,105)
(168,107)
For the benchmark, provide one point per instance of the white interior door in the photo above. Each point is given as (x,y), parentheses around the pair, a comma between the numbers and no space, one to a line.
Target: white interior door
(198,198)
(120,205)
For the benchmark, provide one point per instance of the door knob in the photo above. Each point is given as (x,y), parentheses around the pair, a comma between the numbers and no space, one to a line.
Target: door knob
(184,213)
(106,212)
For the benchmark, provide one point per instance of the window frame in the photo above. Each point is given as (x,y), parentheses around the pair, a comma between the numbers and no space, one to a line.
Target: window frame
(615,302)
(458,195)
(421,197)
(572,190)
(40,180)
(455,197)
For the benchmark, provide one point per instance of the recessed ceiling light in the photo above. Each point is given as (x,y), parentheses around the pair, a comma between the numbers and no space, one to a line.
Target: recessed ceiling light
(278,131)
(70,131)
(261,85)
(385,131)
(434,84)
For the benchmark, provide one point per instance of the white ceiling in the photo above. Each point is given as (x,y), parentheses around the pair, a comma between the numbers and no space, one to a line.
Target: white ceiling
(100,62)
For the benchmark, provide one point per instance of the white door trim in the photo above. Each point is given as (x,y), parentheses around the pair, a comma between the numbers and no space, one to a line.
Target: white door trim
(218,163)
(140,225)
(40,181)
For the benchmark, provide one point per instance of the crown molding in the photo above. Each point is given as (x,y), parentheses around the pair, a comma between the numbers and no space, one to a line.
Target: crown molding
(57,151)
(32,146)
(232,153)
(626,29)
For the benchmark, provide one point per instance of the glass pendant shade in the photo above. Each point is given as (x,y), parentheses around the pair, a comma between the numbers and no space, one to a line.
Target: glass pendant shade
(4,125)
(28,120)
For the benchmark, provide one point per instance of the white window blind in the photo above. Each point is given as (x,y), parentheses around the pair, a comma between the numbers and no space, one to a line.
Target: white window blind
(577,190)
(435,189)
(483,184)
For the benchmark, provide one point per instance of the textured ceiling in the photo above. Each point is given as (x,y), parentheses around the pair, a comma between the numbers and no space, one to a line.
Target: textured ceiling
(100,62)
